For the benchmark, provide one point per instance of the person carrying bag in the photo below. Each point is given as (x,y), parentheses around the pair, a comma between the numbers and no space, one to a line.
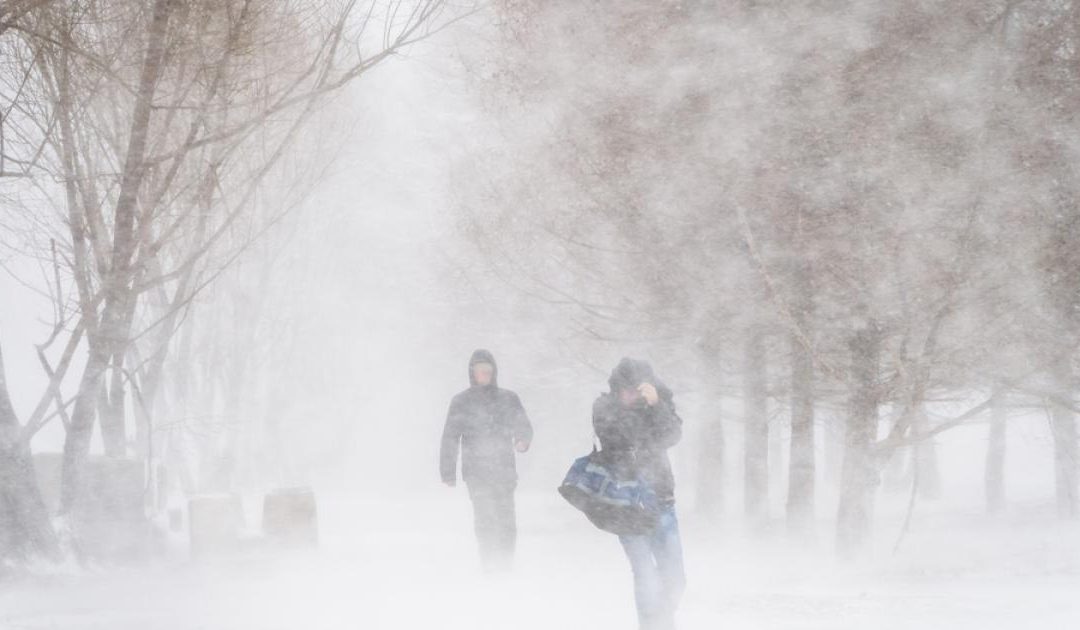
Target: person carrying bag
(627,487)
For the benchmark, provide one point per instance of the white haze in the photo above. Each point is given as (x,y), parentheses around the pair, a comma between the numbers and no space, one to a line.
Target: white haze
(374,303)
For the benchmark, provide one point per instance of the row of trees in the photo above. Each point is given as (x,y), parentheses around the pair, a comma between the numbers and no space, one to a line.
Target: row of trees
(145,147)
(880,201)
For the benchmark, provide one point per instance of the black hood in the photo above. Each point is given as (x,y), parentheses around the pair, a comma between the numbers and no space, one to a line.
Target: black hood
(483,356)
(633,372)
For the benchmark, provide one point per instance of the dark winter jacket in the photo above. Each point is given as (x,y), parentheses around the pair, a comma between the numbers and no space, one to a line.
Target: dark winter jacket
(634,440)
(485,421)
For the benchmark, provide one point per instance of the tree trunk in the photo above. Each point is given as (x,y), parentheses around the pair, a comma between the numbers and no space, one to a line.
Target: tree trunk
(182,464)
(925,460)
(25,529)
(859,476)
(1063,422)
(800,501)
(897,476)
(710,490)
(143,414)
(834,448)
(77,441)
(777,475)
(995,456)
(113,330)
(756,454)
(113,434)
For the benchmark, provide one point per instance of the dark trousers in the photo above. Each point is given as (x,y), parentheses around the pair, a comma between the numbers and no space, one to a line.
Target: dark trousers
(495,521)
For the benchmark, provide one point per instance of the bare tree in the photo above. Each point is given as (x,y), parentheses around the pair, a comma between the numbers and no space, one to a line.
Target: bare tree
(147,133)
(834,196)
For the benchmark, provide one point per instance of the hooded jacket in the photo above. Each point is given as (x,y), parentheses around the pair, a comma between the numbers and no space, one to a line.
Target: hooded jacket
(634,440)
(485,421)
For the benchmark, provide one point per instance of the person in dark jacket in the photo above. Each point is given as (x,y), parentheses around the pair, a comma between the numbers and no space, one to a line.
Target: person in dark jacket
(488,424)
(636,423)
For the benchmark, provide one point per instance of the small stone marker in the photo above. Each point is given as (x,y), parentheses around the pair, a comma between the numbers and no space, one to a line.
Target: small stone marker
(290,517)
(176,519)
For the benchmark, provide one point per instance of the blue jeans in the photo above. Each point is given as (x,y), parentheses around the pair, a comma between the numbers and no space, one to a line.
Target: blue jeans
(659,578)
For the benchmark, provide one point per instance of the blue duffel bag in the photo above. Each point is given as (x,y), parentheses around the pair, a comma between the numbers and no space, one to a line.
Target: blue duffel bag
(622,506)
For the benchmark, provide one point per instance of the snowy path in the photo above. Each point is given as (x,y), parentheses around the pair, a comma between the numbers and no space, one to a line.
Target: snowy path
(413,573)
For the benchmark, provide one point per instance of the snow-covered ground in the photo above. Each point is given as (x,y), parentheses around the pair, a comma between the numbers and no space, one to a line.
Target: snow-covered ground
(409,562)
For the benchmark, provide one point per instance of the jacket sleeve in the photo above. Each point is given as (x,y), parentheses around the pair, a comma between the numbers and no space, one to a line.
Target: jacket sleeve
(666,430)
(451,443)
(519,422)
